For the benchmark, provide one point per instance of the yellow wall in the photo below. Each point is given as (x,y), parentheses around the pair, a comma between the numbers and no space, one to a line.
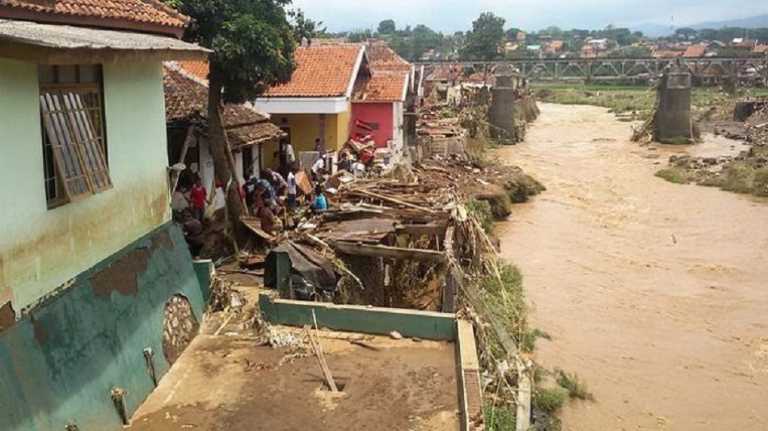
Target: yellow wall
(305,128)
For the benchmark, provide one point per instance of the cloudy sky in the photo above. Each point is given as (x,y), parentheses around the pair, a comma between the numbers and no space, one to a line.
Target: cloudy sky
(452,15)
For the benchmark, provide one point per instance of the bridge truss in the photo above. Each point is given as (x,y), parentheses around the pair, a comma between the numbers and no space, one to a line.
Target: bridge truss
(624,69)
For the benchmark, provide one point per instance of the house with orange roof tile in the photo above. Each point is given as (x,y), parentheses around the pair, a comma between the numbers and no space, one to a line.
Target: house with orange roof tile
(315,106)
(378,109)
(92,268)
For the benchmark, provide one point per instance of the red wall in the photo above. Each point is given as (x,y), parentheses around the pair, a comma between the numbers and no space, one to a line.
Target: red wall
(380,113)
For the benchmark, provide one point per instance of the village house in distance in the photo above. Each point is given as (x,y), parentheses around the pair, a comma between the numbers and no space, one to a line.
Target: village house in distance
(98,291)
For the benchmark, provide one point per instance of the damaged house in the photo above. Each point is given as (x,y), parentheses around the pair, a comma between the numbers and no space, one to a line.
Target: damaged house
(98,291)
(186,104)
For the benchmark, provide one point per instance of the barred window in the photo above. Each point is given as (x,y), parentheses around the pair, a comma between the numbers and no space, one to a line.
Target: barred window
(74,139)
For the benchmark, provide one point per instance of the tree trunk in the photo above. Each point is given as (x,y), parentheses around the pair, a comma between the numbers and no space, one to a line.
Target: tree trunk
(223,161)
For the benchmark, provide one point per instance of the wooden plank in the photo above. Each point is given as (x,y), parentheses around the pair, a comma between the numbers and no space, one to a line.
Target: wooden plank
(360,249)
(75,185)
(93,142)
(254,225)
(430,229)
(391,200)
(183,157)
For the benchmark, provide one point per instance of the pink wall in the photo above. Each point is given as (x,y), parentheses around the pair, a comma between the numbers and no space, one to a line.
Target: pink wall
(380,113)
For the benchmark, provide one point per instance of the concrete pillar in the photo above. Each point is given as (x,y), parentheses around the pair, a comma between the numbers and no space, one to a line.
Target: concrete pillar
(502,111)
(673,117)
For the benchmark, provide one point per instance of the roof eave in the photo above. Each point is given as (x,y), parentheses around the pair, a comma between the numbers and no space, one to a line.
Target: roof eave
(91,22)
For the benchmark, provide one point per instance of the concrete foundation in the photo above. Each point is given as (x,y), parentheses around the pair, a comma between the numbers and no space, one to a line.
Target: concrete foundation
(104,330)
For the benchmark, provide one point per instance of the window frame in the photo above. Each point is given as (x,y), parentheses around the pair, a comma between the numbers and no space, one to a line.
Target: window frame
(73,125)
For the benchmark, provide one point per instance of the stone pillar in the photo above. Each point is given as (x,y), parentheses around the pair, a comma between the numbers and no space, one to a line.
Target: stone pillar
(502,111)
(673,116)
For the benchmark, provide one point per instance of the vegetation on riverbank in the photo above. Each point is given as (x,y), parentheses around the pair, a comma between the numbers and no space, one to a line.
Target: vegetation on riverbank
(639,100)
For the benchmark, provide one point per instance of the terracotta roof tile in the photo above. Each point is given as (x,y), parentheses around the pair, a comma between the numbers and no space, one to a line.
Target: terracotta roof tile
(382,57)
(695,51)
(148,12)
(321,71)
(382,87)
(199,69)
(186,99)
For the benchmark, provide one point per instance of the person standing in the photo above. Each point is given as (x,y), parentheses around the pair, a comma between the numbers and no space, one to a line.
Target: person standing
(292,188)
(197,196)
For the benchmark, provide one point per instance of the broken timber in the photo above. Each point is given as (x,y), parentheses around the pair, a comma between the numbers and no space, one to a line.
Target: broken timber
(360,249)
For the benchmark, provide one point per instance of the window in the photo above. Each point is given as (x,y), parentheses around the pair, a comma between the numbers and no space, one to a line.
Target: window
(74,138)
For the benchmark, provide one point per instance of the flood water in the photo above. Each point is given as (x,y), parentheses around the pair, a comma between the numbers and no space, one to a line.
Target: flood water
(656,294)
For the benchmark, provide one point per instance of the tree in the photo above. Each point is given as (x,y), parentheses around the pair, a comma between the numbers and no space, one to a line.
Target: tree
(357,36)
(485,39)
(387,27)
(686,33)
(253,45)
(305,28)
(512,33)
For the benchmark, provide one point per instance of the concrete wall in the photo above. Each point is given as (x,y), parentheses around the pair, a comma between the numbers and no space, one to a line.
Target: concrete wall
(380,113)
(40,249)
(59,364)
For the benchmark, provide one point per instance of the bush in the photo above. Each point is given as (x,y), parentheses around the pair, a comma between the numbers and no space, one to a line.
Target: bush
(674,175)
(499,418)
(549,400)
(575,387)
(760,183)
(481,211)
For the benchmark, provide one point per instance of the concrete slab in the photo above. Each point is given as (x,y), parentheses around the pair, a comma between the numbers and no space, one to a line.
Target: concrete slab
(231,383)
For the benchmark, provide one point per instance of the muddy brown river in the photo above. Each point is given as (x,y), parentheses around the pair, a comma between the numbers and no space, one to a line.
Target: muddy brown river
(656,294)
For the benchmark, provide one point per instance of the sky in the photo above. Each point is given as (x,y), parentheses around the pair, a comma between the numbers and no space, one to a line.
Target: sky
(454,15)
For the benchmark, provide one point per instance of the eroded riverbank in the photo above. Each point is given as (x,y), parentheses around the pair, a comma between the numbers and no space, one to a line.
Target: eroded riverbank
(655,293)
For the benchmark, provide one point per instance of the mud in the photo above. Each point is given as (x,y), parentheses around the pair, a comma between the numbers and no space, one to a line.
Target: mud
(655,293)
(230,383)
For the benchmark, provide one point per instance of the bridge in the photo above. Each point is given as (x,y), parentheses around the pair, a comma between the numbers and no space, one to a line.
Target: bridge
(626,69)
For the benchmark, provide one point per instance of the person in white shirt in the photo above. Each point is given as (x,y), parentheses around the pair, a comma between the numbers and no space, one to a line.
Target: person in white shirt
(292,187)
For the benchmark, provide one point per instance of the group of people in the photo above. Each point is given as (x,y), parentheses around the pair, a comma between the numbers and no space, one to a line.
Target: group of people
(273,197)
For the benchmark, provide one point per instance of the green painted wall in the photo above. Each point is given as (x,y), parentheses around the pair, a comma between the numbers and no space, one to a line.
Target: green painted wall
(42,249)
(409,323)
(58,365)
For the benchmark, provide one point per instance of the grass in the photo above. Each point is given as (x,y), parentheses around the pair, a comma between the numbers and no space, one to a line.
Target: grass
(499,418)
(576,388)
(550,400)
(675,175)
(481,210)
(529,338)
(638,99)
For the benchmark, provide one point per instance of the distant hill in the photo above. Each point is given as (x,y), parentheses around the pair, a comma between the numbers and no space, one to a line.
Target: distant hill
(658,30)
(760,21)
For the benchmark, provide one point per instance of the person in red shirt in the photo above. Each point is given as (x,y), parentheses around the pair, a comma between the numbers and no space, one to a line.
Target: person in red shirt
(198,196)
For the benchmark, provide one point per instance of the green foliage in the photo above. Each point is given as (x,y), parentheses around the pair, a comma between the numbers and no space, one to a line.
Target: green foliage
(549,400)
(576,388)
(253,43)
(387,27)
(674,175)
(499,418)
(529,338)
(481,211)
(305,28)
(760,183)
(358,36)
(485,40)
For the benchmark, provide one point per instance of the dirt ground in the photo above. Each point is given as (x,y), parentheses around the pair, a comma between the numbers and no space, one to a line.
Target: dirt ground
(227,382)
(655,293)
